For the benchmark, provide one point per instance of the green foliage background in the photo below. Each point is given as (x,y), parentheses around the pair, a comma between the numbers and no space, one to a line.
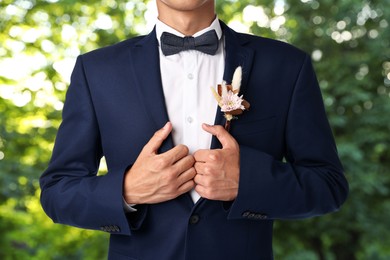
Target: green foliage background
(350,44)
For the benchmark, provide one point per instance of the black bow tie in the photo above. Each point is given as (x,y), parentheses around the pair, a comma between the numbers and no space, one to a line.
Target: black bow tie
(172,44)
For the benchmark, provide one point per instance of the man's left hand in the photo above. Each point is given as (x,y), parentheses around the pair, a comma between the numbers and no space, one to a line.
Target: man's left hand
(218,170)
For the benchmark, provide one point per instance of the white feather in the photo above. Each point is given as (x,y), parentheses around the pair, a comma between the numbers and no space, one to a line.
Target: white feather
(236,81)
(224,89)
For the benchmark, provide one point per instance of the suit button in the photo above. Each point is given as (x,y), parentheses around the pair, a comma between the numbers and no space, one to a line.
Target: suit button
(246,214)
(110,228)
(260,216)
(253,215)
(194,219)
(113,228)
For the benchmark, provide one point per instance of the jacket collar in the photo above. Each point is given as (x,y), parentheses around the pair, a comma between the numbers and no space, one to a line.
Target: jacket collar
(236,55)
(146,68)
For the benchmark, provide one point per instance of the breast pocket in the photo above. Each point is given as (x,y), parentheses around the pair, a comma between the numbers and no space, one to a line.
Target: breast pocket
(260,133)
(253,126)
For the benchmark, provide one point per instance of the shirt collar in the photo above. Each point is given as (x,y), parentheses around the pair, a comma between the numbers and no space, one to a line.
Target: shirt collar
(162,27)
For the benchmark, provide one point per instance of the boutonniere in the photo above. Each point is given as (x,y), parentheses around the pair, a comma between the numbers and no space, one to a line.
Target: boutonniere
(228,99)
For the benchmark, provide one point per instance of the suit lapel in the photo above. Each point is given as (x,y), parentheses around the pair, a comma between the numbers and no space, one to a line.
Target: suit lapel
(236,55)
(146,68)
(145,63)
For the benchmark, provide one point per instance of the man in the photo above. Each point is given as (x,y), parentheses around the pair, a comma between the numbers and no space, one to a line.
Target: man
(172,190)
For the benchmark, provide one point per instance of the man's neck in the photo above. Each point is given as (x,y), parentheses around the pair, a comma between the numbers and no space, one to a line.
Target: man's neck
(187,22)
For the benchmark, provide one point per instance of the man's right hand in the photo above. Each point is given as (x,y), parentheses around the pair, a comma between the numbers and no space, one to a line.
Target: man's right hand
(155,178)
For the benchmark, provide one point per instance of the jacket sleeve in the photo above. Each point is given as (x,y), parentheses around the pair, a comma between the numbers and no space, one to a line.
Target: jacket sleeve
(310,181)
(72,192)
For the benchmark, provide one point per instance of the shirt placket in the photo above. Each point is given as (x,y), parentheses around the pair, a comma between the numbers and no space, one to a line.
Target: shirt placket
(190,98)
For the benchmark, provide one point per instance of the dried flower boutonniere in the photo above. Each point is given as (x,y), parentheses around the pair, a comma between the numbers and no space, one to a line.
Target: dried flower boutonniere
(228,100)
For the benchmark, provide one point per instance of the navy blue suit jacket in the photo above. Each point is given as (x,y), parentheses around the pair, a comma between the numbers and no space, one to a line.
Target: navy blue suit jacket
(289,167)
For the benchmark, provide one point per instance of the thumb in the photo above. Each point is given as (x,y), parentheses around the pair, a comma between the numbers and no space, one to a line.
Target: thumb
(222,135)
(158,138)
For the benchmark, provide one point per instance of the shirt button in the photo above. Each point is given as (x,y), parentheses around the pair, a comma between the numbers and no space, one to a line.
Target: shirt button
(190,76)
(194,219)
(190,120)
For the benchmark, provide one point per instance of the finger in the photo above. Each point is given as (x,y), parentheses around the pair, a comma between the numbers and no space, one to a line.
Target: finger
(222,135)
(201,155)
(184,164)
(157,139)
(201,180)
(186,176)
(208,156)
(204,168)
(175,154)
(186,186)
(203,191)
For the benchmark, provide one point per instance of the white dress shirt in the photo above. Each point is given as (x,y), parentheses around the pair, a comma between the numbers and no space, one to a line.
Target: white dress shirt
(186,79)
